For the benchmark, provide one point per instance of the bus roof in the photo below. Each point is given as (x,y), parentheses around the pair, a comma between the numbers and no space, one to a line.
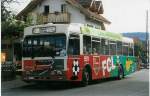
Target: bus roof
(101,33)
(78,28)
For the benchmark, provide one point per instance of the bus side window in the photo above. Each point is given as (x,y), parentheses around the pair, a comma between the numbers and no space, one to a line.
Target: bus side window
(131,49)
(112,47)
(87,45)
(119,48)
(104,47)
(125,49)
(95,46)
(74,45)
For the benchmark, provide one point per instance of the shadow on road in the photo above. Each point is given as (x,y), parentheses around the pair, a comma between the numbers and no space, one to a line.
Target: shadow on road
(60,86)
(46,86)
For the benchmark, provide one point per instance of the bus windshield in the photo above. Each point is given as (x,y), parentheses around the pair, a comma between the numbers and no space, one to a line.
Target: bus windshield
(44,45)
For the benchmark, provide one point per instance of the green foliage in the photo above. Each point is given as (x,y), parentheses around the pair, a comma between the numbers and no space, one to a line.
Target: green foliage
(10,27)
(5,13)
(29,19)
(140,50)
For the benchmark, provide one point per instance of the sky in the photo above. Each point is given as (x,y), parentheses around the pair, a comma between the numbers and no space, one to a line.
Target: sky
(125,15)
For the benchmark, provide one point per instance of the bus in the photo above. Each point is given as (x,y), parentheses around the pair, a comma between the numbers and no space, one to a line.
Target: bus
(75,52)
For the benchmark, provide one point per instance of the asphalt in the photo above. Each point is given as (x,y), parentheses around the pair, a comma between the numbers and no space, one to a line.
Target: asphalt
(136,84)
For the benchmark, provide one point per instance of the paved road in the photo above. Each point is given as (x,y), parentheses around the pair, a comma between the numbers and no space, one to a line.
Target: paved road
(136,84)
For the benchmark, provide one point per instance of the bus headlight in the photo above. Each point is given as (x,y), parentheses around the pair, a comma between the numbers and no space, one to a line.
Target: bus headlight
(59,72)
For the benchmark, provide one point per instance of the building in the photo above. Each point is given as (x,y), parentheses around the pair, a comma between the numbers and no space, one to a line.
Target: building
(37,12)
(64,11)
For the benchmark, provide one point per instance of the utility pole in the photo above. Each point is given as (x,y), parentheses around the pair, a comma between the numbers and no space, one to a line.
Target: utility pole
(147,38)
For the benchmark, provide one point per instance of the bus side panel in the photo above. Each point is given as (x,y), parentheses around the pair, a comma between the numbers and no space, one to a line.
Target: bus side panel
(135,64)
(74,68)
(129,64)
(96,67)
(114,71)
(130,61)
(105,66)
(101,70)
(81,60)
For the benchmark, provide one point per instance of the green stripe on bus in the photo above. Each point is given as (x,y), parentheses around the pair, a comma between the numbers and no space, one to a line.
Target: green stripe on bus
(101,33)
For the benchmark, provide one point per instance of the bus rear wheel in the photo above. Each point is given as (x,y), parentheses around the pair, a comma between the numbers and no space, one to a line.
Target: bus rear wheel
(85,77)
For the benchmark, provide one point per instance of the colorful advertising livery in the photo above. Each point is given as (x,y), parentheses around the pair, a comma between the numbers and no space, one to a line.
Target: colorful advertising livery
(102,66)
(62,52)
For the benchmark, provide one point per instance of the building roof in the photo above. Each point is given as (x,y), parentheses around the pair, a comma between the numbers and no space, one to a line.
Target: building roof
(29,7)
(86,12)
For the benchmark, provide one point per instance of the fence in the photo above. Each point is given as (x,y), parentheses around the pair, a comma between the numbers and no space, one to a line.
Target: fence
(8,72)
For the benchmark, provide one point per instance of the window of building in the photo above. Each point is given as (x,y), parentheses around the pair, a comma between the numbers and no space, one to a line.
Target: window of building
(46,9)
(89,25)
(98,27)
(63,8)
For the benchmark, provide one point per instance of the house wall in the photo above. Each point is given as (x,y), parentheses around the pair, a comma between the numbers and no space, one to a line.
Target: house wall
(95,24)
(55,5)
(76,16)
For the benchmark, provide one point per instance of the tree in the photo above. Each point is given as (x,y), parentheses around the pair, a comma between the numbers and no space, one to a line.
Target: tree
(140,51)
(5,13)
(137,47)
(11,28)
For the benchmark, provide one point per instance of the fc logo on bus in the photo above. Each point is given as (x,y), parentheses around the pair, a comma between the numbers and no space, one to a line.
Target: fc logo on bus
(75,67)
(108,65)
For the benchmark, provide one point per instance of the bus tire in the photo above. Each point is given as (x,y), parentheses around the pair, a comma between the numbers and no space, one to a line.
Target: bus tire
(85,77)
(120,73)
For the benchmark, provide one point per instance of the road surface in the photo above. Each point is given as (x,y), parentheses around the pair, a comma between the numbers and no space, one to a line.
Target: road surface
(136,84)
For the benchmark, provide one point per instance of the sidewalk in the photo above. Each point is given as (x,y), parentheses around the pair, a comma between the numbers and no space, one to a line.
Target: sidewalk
(12,84)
